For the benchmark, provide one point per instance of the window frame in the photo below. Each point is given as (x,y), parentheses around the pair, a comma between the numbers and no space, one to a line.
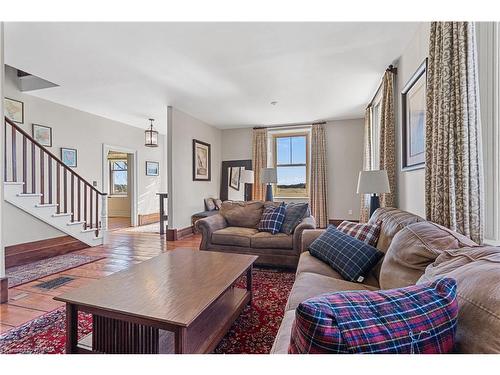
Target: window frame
(112,192)
(276,136)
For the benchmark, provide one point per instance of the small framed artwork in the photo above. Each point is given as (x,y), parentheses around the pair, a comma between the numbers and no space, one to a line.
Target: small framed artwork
(234,178)
(69,157)
(14,110)
(152,168)
(201,161)
(43,135)
(413,121)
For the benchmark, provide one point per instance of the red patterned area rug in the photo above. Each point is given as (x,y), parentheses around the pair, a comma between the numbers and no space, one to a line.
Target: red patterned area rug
(252,333)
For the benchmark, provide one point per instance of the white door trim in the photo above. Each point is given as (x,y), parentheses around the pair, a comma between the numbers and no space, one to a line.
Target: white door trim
(105,177)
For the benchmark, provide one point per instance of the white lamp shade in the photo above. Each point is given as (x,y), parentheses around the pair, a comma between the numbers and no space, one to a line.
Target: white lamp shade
(371,182)
(269,176)
(246,176)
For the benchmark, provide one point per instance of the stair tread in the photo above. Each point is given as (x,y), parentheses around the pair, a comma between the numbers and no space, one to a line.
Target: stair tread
(29,195)
(46,205)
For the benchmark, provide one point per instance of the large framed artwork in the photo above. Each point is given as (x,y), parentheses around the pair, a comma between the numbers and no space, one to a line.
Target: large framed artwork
(201,161)
(152,168)
(234,178)
(43,135)
(413,121)
(69,156)
(14,110)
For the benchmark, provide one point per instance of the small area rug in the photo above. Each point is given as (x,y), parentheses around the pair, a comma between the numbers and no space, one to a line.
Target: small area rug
(26,273)
(148,228)
(253,332)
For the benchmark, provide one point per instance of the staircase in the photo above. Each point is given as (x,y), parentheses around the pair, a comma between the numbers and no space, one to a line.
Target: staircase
(37,182)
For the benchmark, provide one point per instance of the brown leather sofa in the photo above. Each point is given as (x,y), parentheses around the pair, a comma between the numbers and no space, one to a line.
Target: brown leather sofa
(234,230)
(415,251)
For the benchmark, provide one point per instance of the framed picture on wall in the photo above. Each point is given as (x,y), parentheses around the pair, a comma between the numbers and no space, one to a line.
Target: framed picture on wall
(234,178)
(201,161)
(413,120)
(152,168)
(14,110)
(69,157)
(42,134)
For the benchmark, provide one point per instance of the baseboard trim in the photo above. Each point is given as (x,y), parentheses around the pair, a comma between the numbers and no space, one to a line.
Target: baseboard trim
(336,222)
(16,255)
(4,290)
(178,234)
(148,218)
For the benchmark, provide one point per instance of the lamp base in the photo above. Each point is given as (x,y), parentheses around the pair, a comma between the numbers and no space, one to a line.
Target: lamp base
(374,203)
(269,193)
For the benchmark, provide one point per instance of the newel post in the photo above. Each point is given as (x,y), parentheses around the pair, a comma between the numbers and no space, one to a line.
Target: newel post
(104,212)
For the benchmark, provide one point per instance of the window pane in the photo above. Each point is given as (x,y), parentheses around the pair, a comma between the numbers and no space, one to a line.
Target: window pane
(120,182)
(119,165)
(291,182)
(299,150)
(283,150)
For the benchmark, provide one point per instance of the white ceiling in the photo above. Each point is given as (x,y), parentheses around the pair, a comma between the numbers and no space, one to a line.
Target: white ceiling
(225,74)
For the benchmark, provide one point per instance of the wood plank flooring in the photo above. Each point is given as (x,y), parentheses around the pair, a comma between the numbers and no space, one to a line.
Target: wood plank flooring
(123,248)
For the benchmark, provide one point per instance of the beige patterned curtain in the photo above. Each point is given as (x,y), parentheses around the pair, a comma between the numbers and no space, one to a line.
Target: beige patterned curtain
(318,190)
(364,214)
(259,161)
(387,150)
(454,175)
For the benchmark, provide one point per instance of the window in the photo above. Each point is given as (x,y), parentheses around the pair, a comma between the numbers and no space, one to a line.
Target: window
(291,161)
(118,177)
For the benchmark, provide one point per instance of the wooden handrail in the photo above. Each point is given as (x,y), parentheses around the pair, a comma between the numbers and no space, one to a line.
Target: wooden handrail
(54,157)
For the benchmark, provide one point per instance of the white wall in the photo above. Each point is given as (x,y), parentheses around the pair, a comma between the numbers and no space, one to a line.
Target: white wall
(185,195)
(85,132)
(2,204)
(411,184)
(344,140)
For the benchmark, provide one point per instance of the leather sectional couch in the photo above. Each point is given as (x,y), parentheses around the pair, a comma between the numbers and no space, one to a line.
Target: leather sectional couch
(234,230)
(415,251)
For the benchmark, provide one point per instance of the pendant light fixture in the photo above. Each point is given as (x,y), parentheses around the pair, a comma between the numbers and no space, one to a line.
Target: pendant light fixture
(151,136)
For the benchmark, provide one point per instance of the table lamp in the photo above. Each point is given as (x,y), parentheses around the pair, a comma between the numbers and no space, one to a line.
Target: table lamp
(269,176)
(373,182)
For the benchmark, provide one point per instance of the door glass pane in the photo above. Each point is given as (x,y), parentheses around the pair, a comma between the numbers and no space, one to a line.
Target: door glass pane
(283,150)
(299,150)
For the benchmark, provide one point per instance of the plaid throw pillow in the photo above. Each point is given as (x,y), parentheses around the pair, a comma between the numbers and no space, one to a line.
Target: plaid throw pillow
(347,255)
(272,219)
(294,214)
(419,319)
(367,233)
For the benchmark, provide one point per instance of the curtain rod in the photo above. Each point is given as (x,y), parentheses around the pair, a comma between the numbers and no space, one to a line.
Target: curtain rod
(290,125)
(391,68)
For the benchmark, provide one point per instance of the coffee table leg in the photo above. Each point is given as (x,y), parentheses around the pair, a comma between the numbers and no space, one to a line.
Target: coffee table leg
(180,340)
(249,281)
(71,329)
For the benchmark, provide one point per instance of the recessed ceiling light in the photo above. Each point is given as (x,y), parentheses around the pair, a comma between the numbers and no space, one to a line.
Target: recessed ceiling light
(274,102)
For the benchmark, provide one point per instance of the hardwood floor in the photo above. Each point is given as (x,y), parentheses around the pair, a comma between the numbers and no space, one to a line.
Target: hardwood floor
(122,249)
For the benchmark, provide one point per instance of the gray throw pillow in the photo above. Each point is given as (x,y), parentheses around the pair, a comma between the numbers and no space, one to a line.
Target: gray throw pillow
(294,214)
(209,204)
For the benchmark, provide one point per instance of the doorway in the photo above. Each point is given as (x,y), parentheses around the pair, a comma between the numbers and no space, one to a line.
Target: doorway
(119,182)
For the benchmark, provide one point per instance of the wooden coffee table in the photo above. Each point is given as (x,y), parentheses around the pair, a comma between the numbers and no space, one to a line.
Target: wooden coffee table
(182,301)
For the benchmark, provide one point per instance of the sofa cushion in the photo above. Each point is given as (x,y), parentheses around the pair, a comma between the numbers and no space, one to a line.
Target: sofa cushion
(210,204)
(349,256)
(265,240)
(393,220)
(294,214)
(413,249)
(308,285)
(233,236)
(282,340)
(242,214)
(419,319)
(368,233)
(477,272)
(272,219)
(308,263)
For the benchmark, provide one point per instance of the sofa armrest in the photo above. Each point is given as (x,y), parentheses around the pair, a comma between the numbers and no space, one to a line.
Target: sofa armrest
(306,223)
(207,226)
(308,236)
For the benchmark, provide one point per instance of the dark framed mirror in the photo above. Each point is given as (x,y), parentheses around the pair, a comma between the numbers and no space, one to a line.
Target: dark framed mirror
(231,186)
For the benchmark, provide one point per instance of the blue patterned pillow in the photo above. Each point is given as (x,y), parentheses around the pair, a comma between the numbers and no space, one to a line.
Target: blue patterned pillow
(347,255)
(272,219)
(294,214)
